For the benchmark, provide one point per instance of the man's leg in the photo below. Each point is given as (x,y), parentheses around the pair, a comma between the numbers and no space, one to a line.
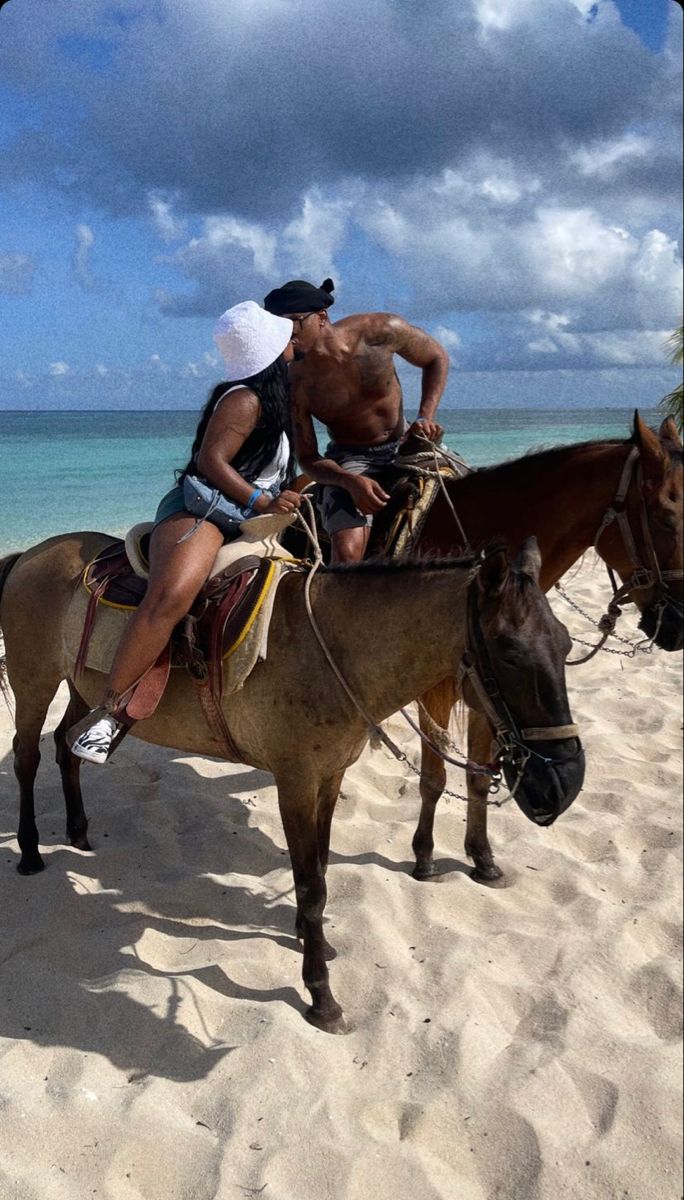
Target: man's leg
(347,528)
(349,545)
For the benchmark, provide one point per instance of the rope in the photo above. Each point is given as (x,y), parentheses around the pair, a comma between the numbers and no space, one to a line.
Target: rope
(376,730)
(454,462)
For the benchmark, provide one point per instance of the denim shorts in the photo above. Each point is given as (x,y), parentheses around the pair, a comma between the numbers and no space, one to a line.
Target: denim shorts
(173,502)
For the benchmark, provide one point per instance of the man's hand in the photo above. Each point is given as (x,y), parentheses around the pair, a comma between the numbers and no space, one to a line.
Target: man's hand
(427,428)
(366,493)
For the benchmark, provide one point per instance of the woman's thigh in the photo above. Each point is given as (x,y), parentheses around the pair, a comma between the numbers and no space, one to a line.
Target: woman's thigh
(180,568)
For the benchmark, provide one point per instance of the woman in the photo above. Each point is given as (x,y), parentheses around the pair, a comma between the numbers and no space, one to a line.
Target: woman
(242,448)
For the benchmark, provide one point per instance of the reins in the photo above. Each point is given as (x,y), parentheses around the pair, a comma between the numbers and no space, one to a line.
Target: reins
(643,577)
(475,665)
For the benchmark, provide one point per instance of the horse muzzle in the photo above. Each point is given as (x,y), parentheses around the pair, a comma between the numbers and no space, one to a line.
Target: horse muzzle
(664,624)
(552,778)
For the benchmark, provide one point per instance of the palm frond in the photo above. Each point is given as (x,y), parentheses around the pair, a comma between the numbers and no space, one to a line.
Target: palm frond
(672,405)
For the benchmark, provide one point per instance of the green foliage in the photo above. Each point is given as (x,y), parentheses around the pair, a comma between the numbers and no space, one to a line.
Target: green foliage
(673,404)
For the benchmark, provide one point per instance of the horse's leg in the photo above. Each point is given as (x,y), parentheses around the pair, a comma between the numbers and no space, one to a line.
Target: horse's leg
(70,768)
(439,703)
(327,799)
(476,841)
(32,705)
(298,804)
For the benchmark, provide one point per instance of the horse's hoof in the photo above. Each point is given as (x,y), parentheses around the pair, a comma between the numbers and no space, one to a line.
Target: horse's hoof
(332,1022)
(329,952)
(491,877)
(80,843)
(426,872)
(30,864)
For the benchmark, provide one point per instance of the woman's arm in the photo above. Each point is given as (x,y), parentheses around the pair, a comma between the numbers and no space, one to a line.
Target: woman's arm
(229,427)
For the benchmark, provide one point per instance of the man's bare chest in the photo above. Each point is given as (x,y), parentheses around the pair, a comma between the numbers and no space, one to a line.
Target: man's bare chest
(365,377)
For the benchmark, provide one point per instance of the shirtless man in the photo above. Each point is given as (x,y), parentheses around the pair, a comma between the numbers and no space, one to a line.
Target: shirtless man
(345,377)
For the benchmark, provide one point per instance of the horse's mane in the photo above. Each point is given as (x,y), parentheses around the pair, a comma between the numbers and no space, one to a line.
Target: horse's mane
(542,455)
(400,566)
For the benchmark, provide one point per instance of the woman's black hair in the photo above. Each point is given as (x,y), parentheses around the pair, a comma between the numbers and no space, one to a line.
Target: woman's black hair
(259,449)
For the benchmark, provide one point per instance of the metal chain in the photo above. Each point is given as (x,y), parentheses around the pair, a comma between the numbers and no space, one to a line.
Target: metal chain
(643,646)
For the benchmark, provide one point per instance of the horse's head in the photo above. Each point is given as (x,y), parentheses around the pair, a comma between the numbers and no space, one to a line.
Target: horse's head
(516,676)
(653,508)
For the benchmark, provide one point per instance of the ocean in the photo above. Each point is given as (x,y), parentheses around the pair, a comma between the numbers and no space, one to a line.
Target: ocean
(62,471)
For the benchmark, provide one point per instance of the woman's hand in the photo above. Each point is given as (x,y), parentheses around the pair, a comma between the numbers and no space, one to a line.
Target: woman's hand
(286,502)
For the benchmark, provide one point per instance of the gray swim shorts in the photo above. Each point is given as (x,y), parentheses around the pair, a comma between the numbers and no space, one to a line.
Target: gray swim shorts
(335,504)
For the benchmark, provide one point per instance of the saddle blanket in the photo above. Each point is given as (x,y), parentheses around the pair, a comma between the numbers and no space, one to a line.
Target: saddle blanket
(232,617)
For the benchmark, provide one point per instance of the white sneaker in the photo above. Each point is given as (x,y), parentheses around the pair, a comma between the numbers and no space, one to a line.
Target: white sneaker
(95,742)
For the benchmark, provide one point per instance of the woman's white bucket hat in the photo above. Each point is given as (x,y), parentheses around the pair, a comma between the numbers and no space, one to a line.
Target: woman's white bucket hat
(250,339)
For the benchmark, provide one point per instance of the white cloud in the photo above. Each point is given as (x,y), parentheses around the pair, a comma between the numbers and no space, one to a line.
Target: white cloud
(85,240)
(448,337)
(169,227)
(59,369)
(614,347)
(312,239)
(601,158)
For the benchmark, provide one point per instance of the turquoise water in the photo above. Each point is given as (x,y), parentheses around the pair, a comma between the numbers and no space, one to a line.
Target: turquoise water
(105,471)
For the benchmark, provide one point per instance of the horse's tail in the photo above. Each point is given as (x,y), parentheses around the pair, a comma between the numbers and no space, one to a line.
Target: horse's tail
(6,565)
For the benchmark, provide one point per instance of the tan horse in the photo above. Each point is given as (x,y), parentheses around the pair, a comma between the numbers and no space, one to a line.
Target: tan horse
(394,631)
(564,496)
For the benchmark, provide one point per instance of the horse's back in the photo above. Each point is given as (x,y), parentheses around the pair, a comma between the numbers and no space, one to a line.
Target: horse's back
(38,589)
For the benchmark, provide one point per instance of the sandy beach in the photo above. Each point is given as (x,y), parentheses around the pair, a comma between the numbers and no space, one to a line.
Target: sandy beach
(512,1044)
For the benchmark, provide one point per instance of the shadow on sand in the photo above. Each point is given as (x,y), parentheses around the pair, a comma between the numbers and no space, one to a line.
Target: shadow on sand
(163,838)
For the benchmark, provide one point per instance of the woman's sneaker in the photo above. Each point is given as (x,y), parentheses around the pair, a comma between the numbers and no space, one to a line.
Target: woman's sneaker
(95,742)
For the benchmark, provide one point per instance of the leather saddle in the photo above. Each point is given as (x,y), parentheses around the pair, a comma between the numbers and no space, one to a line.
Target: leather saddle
(242,584)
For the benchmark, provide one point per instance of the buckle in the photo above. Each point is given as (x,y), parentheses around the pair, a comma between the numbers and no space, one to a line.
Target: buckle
(641,579)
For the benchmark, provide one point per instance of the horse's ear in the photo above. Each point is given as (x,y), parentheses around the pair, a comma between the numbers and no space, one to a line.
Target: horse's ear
(492,576)
(652,453)
(668,435)
(529,559)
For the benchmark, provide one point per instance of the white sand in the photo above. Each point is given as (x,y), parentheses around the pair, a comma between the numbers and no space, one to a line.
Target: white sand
(520,1044)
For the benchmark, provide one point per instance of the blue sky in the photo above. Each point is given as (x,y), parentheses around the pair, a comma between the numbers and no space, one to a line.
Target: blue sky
(504,173)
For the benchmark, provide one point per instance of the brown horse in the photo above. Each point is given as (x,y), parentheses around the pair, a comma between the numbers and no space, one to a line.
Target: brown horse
(566,497)
(291,717)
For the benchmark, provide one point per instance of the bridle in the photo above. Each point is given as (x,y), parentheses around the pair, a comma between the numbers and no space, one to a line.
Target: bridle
(476,666)
(643,576)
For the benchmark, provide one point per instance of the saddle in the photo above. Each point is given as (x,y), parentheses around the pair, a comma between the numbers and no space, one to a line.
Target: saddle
(218,642)
(413,482)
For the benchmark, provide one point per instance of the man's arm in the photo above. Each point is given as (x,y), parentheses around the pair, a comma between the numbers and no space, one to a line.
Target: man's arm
(421,350)
(367,494)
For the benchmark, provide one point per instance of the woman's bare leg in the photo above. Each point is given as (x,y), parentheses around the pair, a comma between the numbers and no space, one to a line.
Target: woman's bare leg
(177,573)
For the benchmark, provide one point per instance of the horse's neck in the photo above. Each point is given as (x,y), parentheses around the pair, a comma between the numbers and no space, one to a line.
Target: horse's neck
(394,634)
(560,497)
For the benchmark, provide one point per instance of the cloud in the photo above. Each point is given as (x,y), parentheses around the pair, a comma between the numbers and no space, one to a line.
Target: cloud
(217,104)
(169,227)
(80,262)
(59,369)
(16,274)
(498,157)
(232,259)
(603,158)
(613,347)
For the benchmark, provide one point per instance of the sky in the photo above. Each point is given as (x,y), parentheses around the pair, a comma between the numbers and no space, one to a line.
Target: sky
(503,173)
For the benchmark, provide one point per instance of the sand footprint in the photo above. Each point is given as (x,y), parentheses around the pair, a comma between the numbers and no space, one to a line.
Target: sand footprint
(659,998)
